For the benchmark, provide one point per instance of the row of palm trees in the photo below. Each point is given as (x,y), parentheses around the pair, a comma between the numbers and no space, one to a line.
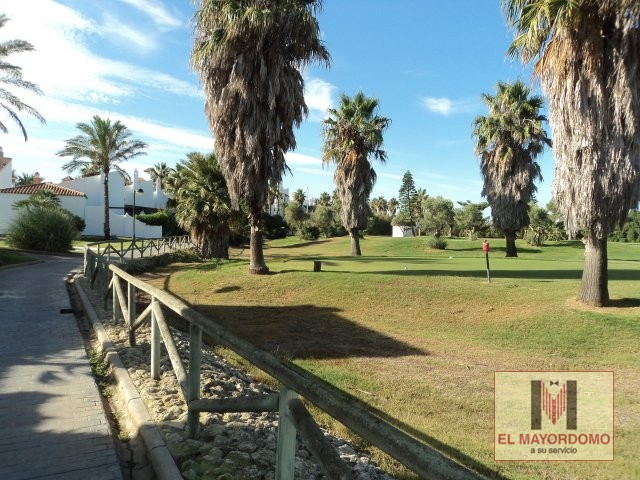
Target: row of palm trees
(249,55)
(586,55)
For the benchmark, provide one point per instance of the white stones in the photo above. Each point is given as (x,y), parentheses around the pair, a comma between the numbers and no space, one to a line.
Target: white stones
(230,445)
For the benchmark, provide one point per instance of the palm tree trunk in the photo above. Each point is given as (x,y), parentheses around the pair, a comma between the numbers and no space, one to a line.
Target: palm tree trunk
(220,241)
(257,264)
(106,227)
(510,237)
(594,289)
(355,242)
(213,243)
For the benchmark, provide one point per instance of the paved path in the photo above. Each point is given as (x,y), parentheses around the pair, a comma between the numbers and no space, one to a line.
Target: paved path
(52,424)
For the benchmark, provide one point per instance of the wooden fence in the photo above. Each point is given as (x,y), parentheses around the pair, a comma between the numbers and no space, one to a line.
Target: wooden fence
(294,418)
(140,247)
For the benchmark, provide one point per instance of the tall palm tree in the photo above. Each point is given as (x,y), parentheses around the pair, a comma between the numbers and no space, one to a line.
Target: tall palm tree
(202,202)
(417,209)
(392,206)
(586,56)
(249,54)
(160,171)
(508,140)
(299,197)
(11,77)
(101,146)
(352,134)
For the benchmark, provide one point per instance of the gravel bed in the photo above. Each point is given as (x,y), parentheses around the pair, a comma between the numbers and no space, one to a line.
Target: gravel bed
(230,445)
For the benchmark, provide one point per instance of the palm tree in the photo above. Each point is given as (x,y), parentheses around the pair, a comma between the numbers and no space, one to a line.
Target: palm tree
(417,208)
(159,171)
(202,201)
(24,179)
(586,56)
(11,77)
(393,205)
(352,134)
(324,200)
(379,205)
(100,147)
(508,141)
(249,55)
(299,197)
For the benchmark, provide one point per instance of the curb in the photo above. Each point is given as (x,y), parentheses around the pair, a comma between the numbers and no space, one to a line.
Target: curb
(157,450)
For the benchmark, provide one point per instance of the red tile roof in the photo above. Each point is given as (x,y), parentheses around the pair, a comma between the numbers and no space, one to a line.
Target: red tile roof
(31,189)
(3,163)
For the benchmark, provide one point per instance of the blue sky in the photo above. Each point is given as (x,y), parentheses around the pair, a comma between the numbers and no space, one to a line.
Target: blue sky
(427,61)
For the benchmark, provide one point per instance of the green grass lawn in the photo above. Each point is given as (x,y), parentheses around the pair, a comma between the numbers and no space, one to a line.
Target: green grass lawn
(10,257)
(417,334)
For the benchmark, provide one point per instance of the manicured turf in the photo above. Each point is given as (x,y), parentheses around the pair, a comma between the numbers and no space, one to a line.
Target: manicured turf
(417,334)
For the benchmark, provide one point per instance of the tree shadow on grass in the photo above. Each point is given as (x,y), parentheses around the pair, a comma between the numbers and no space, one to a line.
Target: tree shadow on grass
(550,275)
(306,331)
(624,303)
(297,245)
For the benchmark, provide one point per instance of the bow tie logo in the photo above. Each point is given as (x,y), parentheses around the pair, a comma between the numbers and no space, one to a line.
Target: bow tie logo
(551,384)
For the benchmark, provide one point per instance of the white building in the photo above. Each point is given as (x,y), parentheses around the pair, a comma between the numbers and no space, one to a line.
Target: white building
(402,231)
(84,197)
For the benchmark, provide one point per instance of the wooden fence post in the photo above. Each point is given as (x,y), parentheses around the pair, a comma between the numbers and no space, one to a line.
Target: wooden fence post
(131,306)
(286,449)
(115,303)
(155,343)
(193,385)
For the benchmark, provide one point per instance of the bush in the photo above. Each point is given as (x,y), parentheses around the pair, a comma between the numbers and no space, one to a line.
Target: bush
(165,219)
(78,222)
(309,232)
(379,225)
(437,243)
(274,226)
(46,229)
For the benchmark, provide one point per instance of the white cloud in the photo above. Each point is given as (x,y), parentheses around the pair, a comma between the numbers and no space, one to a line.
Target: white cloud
(156,11)
(318,96)
(64,66)
(446,106)
(443,106)
(129,36)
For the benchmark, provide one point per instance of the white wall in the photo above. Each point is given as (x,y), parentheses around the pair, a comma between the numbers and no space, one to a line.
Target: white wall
(93,188)
(7,213)
(120,225)
(402,231)
(6,180)
(149,198)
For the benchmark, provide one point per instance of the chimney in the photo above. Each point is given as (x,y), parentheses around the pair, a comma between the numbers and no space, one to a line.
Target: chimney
(37,179)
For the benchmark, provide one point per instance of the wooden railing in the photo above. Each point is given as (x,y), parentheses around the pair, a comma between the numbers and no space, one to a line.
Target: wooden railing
(294,418)
(140,247)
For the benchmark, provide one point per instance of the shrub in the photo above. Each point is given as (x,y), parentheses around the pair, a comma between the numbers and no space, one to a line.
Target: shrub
(165,219)
(309,232)
(46,229)
(78,221)
(438,243)
(379,225)
(274,226)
